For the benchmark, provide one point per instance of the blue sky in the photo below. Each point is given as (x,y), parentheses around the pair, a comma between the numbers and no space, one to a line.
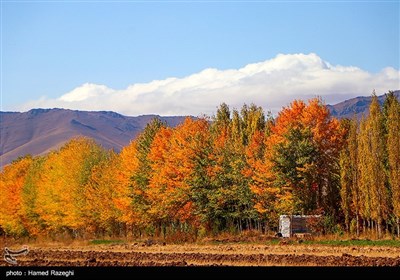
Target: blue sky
(50,48)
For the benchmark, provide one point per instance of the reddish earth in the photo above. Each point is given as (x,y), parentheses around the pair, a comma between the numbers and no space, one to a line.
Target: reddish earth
(208,255)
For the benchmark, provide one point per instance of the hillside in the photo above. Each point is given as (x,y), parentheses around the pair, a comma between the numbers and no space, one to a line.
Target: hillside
(39,131)
(357,105)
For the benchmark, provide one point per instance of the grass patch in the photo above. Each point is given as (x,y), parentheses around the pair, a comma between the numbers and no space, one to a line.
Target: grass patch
(274,241)
(355,242)
(105,242)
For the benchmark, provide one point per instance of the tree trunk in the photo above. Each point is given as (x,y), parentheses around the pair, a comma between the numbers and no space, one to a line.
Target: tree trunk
(379,229)
(372,227)
(357,222)
(364,226)
(164,231)
(398,227)
(386,228)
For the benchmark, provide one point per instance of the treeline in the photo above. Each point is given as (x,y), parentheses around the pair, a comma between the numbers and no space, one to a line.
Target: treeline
(370,170)
(237,171)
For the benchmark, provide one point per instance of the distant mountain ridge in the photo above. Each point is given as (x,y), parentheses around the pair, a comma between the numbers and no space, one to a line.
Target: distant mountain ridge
(358,106)
(39,131)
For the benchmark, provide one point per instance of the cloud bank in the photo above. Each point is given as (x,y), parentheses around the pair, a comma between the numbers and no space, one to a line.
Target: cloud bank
(271,84)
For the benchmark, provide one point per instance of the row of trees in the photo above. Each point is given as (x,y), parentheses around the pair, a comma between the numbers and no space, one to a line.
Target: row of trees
(370,169)
(240,170)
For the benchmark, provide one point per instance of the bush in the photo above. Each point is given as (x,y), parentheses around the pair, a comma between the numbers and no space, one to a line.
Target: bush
(353,226)
(329,224)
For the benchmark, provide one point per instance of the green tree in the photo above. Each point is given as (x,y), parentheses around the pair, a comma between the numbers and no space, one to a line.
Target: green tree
(295,163)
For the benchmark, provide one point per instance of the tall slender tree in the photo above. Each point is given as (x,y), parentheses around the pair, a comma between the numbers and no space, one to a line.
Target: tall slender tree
(363,154)
(352,146)
(372,156)
(346,178)
(393,147)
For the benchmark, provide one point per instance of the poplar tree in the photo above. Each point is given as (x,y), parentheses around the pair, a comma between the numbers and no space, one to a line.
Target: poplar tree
(374,154)
(393,148)
(349,178)
(346,182)
(352,145)
(363,155)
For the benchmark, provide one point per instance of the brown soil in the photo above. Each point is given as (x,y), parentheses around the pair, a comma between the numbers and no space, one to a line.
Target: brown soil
(208,255)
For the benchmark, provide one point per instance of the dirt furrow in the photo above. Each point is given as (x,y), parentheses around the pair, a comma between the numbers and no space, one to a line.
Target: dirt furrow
(52,257)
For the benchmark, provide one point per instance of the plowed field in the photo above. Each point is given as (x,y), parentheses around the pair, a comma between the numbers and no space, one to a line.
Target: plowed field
(209,255)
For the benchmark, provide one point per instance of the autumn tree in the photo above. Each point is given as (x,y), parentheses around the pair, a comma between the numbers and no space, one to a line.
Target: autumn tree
(379,198)
(231,202)
(103,213)
(61,196)
(174,156)
(134,177)
(375,195)
(349,175)
(295,163)
(12,180)
(362,166)
(393,148)
(252,121)
(305,143)
(159,179)
(31,218)
(270,199)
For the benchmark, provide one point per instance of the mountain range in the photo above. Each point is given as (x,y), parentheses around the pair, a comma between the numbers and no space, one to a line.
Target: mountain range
(356,106)
(39,131)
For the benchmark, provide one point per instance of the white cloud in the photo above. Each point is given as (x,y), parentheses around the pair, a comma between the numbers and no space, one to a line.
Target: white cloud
(271,84)
(84,92)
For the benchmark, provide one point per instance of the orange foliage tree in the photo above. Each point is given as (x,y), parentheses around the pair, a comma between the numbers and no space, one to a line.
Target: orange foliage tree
(12,180)
(133,176)
(304,147)
(173,156)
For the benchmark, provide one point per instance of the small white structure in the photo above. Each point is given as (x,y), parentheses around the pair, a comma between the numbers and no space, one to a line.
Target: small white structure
(290,225)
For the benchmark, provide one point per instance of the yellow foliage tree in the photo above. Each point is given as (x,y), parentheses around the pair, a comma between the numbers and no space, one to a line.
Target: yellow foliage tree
(393,147)
(61,196)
